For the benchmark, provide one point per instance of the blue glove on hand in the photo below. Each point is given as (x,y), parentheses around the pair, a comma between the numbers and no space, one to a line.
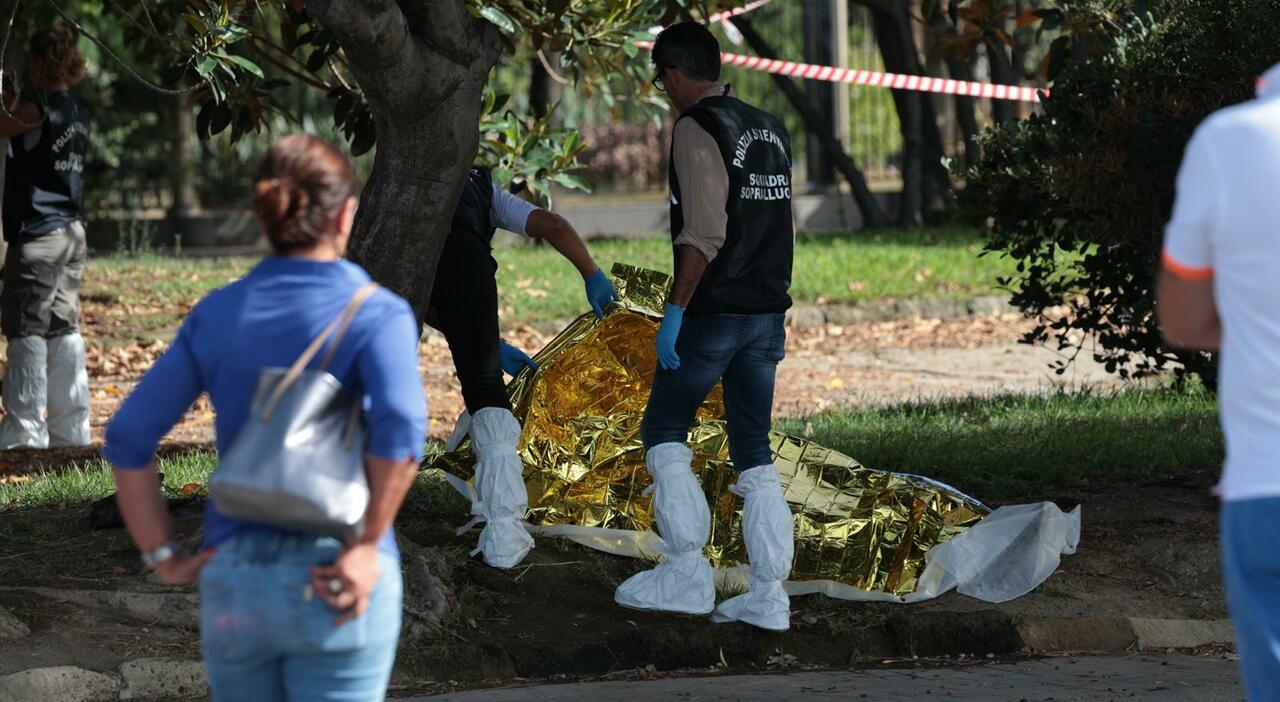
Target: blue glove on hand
(600,292)
(672,318)
(513,359)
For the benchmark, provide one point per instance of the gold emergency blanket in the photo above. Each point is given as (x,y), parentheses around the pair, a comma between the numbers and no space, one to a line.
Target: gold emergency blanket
(584,464)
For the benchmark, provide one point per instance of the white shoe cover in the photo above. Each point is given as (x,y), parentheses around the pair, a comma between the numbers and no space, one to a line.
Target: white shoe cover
(769,531)
(503,498)
(683,581)
(25,388)
(68,392)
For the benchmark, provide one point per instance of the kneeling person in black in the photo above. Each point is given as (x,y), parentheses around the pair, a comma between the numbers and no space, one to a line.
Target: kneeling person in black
(464,305)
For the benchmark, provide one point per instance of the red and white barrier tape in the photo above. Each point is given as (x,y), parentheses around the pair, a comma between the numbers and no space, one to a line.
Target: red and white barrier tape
(896,81)
(724,16)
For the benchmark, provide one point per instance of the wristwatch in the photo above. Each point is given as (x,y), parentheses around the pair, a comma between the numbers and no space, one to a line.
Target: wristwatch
(159,555)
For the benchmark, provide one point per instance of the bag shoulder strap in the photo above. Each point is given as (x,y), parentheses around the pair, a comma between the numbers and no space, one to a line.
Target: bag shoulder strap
(332,333)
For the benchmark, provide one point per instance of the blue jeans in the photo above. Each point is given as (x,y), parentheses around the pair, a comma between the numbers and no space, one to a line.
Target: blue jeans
(266,637)
(1251,571)
(744,351)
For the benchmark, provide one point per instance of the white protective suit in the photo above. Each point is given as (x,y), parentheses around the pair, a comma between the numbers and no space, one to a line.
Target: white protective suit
(25,388)
(68,392)
(683,581)
(769,532)
(502,499)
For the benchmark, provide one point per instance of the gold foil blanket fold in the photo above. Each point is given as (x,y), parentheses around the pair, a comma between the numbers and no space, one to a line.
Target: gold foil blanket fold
(584,463)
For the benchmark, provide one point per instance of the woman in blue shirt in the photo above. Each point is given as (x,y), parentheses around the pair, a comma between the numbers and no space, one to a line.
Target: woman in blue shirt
(286,615)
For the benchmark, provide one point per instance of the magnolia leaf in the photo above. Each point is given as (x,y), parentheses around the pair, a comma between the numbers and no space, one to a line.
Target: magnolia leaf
(499,19)
(196,23)
(206,66)
(247,65)
(569,180)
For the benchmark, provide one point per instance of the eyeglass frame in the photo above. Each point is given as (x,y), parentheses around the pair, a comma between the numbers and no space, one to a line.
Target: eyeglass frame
(657,81)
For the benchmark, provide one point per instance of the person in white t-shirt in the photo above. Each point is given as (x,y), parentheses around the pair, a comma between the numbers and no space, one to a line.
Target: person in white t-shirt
(1218,290)
(464,307)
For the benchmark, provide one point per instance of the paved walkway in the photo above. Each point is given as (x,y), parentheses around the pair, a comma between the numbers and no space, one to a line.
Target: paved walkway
(1137,677)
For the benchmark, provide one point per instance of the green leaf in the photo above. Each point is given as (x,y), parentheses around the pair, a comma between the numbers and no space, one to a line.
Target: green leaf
(196,23)
(572,181)
(247,65)
(499,19)
(206,66)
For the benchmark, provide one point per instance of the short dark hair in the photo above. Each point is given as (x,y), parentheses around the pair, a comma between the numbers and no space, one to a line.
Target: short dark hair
(690,48)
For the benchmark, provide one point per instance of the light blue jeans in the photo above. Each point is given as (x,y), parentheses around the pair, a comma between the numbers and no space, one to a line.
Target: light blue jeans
(1251,571)
(267,638)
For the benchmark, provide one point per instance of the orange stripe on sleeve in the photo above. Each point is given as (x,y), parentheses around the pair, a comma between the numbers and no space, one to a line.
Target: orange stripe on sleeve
(1184,271)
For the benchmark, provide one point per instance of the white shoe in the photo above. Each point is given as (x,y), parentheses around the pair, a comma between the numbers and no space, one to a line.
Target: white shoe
(769,531)
(503,498)
(683,582)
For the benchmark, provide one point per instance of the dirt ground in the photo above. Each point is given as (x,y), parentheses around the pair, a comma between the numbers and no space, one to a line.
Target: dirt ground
(826,366)
(1146,551)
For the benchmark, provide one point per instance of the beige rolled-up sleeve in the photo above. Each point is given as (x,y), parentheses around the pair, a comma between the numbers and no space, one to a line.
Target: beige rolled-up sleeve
(704,188)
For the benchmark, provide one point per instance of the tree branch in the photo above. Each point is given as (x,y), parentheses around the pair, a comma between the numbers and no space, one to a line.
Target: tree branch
(374,30)
(313,81)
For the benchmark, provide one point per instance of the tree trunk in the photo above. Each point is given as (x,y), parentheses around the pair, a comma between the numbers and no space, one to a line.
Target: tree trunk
(182,180)
(964,105)
(539,88)
(922,144)
(872,214)
(911,202)
(422,67)
(1002,72)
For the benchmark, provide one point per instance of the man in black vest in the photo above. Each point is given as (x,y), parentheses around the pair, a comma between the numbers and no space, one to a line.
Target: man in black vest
(40,305)
(733,238)
(464,307)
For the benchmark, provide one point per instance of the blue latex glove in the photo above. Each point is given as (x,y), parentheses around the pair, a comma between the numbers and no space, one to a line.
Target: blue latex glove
(600,292)
(672,318)
(513,359)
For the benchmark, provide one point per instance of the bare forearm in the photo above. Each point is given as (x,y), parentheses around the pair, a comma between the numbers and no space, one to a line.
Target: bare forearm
(556,231)
(690,266)
(389,482)
(142,504)
(1187,313)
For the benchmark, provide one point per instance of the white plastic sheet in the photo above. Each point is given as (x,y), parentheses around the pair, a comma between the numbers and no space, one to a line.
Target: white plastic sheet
(1004,556)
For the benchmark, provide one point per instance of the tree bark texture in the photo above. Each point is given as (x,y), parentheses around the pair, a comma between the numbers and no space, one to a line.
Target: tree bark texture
(958,69)
(182,181)
(872,214)
(422,65)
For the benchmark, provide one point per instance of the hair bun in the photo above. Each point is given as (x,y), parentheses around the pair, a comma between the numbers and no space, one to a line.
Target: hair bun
(302,184)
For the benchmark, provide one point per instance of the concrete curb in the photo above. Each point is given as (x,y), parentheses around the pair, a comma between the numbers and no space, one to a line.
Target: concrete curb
(1116,634)
(936,634)
(141,679)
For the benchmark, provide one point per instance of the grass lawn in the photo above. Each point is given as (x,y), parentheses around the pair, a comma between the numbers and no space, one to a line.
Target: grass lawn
(535,283)
(1019,446)
(993,449)
(147,295)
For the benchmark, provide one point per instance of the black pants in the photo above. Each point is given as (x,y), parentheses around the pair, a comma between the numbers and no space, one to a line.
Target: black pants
(465,299)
